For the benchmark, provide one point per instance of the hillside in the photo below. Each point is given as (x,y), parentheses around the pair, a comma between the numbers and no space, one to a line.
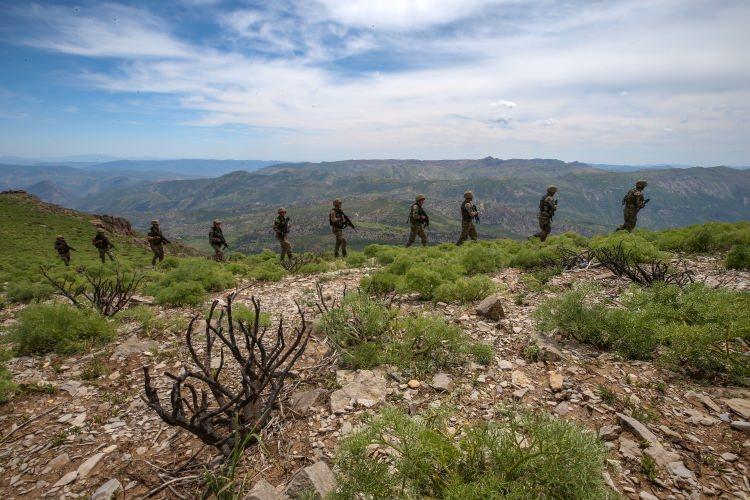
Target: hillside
(377,193)
(499,367)
(28,228)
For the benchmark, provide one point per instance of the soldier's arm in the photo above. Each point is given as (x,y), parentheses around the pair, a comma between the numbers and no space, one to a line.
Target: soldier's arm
(639,199)
(471,210)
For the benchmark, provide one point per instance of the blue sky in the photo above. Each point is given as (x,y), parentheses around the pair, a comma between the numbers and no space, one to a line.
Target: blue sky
(601,81)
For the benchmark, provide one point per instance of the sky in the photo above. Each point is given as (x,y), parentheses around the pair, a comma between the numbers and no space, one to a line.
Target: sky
(608,81)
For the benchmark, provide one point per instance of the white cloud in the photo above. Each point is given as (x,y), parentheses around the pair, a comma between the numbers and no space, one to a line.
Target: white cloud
(503,104)
(294,93)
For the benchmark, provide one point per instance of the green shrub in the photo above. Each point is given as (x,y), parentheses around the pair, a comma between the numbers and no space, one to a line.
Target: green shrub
(241,312)
(356,259)
(421,279)
(521,456)
(482,258)
(738,257)
(24,292)
(151,323)
(267,271)
(465,290)
(702,238)
(63,329)
(636,245)
(212,276)
(186,293)
(314,268)
(700,330)
(379,283)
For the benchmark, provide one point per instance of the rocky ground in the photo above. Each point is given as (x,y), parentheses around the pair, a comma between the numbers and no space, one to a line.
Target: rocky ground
(70,437)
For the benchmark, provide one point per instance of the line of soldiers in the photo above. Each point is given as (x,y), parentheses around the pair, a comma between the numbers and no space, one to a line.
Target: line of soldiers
(104,246)
(633,202)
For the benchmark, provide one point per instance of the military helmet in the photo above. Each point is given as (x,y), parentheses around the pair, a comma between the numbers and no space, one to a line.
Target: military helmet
(217,222)
(336,202)
(421,197)
(640,184)
(100,230)
(468,195)
(282,210)
(552,189)
(154,222)
(60,237)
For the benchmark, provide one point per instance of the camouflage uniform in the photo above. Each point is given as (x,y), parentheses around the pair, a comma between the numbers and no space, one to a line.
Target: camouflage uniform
(281,228)
(468,214)
(217,241)
(156,242)
(63,250)
(633,202)
(419,220)
(547,208)
(337,220)
(103,245)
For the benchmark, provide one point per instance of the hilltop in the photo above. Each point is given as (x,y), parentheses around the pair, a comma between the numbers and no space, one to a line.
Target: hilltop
(377,193)
(510,367)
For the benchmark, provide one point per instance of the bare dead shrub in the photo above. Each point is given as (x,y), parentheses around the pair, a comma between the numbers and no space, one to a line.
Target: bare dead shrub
(226,407)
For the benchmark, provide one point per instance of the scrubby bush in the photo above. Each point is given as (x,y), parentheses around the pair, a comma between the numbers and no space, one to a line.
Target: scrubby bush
(379,283)
(212,276)
(246,315)
(24,291)
(267,271)
(519,456)
(738,257)
(186,293)
(700,330)
(421,279)
(702,238)
(7,387)
(465,290)
(151,323)
(483,258)
(63,329)
(638,247)
(356,259)
(367,332)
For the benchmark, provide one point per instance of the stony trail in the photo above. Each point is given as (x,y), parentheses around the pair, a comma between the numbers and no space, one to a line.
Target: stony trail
(69,437)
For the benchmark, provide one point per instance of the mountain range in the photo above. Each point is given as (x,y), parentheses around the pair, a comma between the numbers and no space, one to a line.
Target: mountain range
(377,195)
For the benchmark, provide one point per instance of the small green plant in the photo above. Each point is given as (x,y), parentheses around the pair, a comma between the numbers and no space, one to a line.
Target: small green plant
(531,353)
(648,468)
(465,290)
(188,293)
(64,329)
(36,388)
(223,483)
(608,395)
(94,368)
(241,312)
(738,257)
(24,292)
(520,455)
(7,387)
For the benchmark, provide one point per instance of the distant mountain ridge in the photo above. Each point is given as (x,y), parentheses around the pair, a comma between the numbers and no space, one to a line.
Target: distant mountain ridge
(378,193)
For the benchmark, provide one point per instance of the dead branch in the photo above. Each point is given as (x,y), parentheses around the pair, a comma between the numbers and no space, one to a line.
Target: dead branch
(622,263)
(205,403)
(108,293)
(293,266)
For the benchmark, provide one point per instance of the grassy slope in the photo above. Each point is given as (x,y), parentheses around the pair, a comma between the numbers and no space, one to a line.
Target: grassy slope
(28,229)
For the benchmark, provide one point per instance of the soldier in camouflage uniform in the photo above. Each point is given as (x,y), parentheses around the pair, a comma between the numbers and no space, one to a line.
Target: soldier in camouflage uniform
(103,245)
(281,228)
(338,221)
(156,241)
(217,241)
(469,214)
(547,208)
(419,220)
(633,202)
(63,249)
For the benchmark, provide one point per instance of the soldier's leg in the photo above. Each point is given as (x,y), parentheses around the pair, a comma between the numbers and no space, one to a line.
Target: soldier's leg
(412,235)
(155,255)
(464,233)
(545,227)
(161,253)
(109,254)
(337,235)
(288,248)
(343,245)
(282,250)
(65,258)
(472,231)
(422,235)
(102,255)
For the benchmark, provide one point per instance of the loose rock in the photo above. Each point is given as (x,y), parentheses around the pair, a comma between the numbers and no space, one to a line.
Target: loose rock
(317,479)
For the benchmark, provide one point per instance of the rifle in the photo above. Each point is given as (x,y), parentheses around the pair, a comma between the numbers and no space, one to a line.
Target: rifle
(475,209)
(348,222)
(645,202)
(426,220)
(164,240)
(71,248)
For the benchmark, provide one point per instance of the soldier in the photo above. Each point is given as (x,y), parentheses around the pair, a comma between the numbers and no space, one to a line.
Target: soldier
(419,220)
(63,249)
(103,245)
(339,221)
(469,214)
(281,228)
(156,241)
(633,202)
(547,208)
(217,241)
